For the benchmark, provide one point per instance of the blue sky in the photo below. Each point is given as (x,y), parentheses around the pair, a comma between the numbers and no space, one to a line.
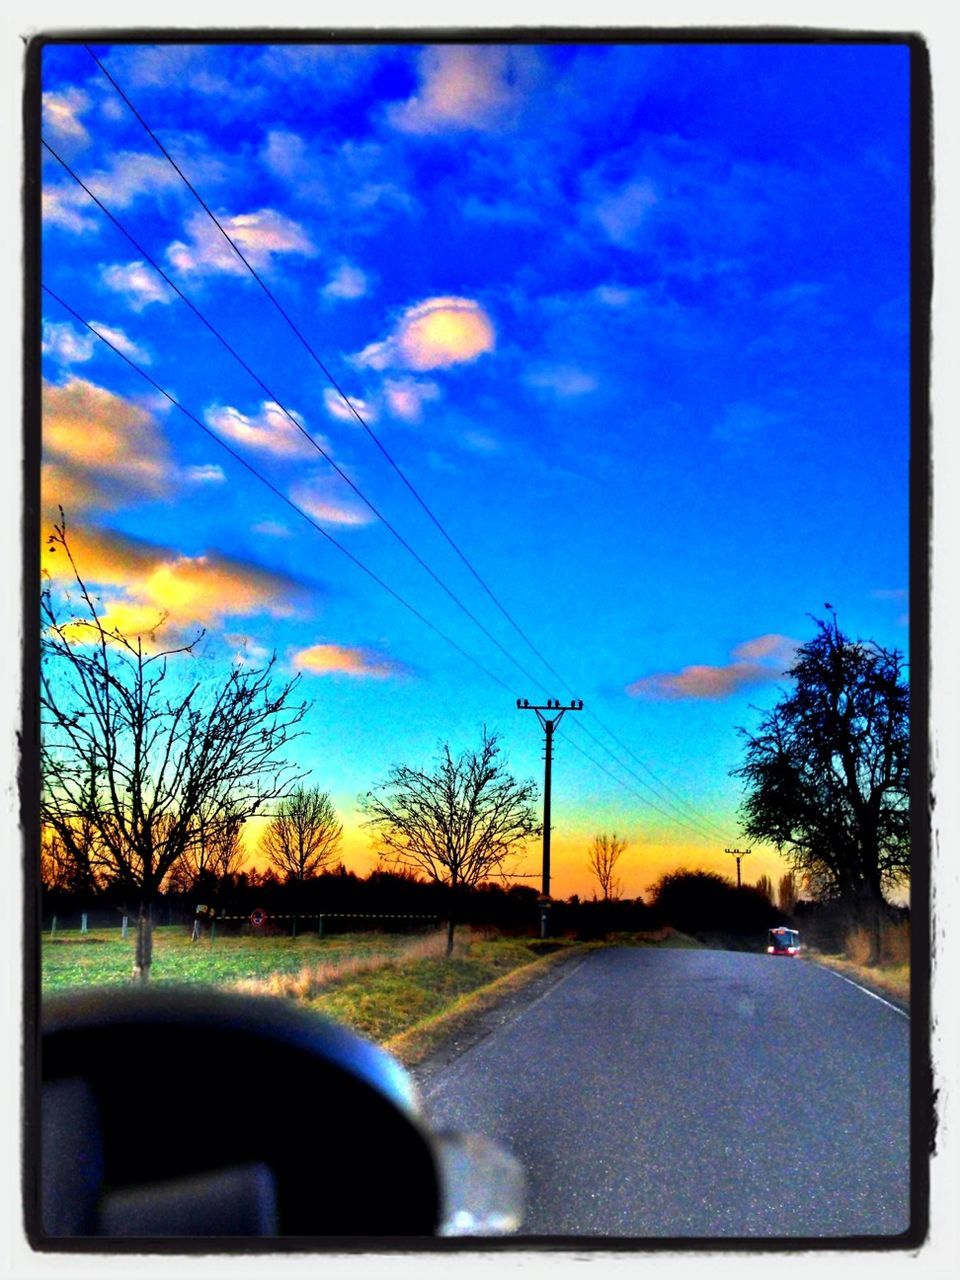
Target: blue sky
(632,320)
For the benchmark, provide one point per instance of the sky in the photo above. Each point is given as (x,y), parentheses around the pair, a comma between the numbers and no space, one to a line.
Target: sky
(630,320)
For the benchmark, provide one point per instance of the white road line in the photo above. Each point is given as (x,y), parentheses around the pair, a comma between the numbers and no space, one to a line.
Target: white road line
(866,992)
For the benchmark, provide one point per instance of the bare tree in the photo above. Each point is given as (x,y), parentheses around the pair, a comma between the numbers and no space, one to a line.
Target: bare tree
(217,851)
(69,863)
(459,823)
(765,886)
(304,835)
(602,857)
(138,751)
(788,893)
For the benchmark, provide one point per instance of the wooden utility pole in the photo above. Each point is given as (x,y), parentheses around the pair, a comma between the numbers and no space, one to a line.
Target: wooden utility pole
(549,723)
(739,854)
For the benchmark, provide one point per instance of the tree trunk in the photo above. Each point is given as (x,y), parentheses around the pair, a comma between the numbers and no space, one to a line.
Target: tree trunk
(450,928)
(870,912)
(143,957)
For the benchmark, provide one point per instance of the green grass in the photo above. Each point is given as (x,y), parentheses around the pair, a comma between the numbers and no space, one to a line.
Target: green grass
(102,957)
(379,984)
(397,996)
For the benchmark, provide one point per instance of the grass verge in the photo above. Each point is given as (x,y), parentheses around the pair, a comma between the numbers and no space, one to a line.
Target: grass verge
(417,1042)
(885,980)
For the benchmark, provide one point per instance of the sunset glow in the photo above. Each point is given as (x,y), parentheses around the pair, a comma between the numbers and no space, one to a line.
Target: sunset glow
(614,335)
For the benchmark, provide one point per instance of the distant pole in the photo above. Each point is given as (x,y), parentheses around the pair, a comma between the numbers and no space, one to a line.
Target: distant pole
(739,854)
(549,723)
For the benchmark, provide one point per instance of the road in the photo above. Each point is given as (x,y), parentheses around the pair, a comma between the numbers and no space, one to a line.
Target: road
(695,1094)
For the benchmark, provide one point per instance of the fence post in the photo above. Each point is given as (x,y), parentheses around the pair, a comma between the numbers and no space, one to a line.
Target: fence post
(320,926)
(123,927)
(53,926)
(83,922)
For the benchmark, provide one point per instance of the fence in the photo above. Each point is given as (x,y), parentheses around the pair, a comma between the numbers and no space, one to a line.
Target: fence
(253,923)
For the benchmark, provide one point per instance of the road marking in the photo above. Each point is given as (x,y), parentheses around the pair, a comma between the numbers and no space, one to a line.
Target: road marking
(866,992)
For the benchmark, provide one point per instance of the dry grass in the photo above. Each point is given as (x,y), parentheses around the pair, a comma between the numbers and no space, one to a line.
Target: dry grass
(894,945)
(313,979)
(891,975)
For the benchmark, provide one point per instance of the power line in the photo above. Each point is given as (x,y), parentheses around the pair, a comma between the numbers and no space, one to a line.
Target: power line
(277,492)
(286,412)
(320,364)
(373,436)
(681,806)
(649,803)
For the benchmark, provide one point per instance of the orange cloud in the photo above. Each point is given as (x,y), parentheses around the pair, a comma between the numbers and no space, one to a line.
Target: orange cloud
(434,334)
(759,661)
(158,583)
(99,449)
(337,659)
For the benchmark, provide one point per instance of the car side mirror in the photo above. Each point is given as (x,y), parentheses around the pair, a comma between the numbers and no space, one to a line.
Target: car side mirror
(197,1114)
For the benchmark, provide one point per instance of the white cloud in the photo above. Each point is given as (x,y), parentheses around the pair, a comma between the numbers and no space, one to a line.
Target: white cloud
(117,338)
(62,111)
(61,207)
(623,213)
(337,408)
(139,283)
(208,474)
(271,430)
(479,87)
(323,498)
(614,295)
(132,174)
(272,529)
(561,380)
(347,282)
(260,237)
(65,344)
(406,397)
(433,334)
(284,153)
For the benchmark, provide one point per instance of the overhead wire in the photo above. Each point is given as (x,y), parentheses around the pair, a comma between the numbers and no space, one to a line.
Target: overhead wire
(140,249)
(351,407)
(320,364)
(285,411)
(278,492)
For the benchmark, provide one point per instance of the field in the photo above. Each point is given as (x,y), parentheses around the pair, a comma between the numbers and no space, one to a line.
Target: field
(379,984)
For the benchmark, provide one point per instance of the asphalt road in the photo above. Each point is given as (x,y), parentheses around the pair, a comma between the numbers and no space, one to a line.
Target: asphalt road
(708,1094)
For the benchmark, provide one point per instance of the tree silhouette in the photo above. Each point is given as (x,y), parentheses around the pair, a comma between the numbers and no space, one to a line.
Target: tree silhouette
(304,835)
(828,771)
(459,823)
(141,759)
(765,886)
(787,896)
(602,857)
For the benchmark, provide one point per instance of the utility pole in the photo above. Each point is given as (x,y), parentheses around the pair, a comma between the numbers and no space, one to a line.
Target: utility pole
(739,854)
(549,723)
